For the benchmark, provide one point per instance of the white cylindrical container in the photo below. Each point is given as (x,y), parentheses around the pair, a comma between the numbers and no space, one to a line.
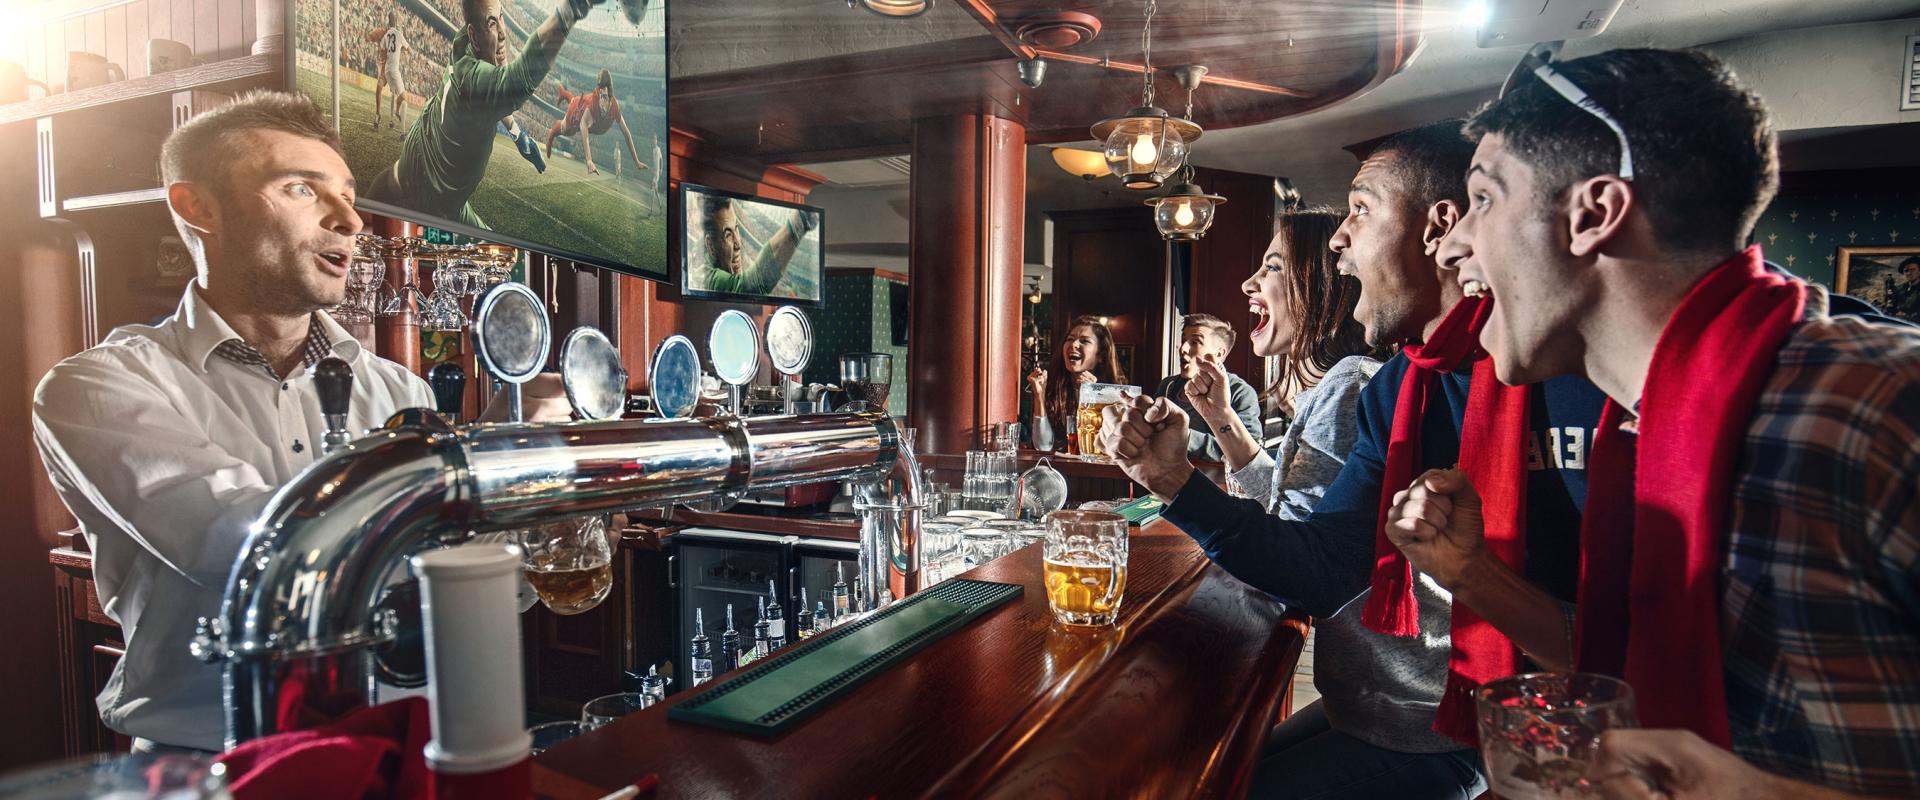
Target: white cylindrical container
(468,598)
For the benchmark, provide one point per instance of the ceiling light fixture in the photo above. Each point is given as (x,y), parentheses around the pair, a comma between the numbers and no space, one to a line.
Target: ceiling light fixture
(1185,212)
(1146,144)
(1086,164)
(894,8)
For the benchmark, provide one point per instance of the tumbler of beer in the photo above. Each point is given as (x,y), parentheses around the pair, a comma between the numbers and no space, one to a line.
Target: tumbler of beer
(569,562)
(1085,566)
(1094,398)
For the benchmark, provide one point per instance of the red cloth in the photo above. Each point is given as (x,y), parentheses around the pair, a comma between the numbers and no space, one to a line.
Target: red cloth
(1493,454)
(1649,577)
(375,753)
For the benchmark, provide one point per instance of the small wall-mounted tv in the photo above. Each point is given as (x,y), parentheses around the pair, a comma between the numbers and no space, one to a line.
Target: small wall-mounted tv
(502,128)
(744,248)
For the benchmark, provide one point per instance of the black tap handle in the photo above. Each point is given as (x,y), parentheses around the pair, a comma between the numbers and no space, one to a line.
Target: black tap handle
(449,381)
(333,381)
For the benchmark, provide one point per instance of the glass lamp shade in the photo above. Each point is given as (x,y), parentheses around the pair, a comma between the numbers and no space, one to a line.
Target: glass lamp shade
(897,8)
(1085,164)
(1184,213)
(1145,146)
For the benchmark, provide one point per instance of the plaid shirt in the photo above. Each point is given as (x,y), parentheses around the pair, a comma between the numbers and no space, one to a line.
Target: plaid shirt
(237,350)
(1820,621)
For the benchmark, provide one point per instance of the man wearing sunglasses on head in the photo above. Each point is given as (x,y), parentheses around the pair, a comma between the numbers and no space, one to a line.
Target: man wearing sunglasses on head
(1751,542)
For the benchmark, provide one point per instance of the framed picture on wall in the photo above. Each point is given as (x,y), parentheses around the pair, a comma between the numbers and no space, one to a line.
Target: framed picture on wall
(1888,277)
(744,248)
(1123,353)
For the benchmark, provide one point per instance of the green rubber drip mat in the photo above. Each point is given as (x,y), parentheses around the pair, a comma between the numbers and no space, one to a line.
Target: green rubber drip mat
(780,691)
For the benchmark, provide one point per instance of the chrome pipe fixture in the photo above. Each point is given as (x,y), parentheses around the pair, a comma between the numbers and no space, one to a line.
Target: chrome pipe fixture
(300,626)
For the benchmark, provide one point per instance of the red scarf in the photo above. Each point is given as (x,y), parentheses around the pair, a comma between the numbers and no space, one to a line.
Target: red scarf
(1493,453)
(1651,550)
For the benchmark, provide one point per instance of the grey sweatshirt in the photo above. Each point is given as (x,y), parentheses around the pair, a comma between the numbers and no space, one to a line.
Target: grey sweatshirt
(1376,688)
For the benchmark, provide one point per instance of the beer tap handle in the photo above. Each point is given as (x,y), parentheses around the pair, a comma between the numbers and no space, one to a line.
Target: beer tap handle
(333,382)
(449,382)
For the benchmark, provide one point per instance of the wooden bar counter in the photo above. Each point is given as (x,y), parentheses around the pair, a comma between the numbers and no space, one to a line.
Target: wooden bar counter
(1173,701)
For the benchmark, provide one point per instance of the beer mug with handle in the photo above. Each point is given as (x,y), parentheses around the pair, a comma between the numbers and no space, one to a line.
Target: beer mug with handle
(1085,566)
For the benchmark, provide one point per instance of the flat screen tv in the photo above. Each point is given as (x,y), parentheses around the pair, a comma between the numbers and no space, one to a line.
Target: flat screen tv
(751,249)
(511,126)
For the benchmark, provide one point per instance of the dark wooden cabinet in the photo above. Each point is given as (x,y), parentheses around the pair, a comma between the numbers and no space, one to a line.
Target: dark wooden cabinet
(89,645)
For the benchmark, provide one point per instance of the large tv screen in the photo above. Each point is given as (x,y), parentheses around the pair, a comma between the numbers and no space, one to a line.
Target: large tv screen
(739,247)
(495,119)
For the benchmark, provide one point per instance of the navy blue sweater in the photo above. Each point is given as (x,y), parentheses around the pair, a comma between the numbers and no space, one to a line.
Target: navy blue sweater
(1325,561)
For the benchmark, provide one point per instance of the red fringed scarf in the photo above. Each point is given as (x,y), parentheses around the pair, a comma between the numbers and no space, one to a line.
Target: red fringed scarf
(1493,453)
(1651,550)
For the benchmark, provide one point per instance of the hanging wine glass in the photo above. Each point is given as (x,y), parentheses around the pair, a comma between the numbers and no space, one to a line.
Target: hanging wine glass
(443,311)
(407,249)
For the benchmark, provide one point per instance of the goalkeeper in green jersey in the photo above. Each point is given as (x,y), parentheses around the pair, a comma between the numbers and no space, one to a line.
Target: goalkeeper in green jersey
(450,142)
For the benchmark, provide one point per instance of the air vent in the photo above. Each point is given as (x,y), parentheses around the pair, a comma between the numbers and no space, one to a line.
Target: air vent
(1910,76)
(1055,30)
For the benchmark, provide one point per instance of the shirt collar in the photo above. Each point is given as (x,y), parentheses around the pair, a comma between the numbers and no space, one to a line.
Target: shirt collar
(203,330)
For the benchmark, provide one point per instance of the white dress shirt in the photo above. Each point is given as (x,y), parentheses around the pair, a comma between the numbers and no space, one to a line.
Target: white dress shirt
(166,453)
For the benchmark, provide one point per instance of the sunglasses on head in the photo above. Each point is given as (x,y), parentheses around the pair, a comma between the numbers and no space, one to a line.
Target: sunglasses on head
(1537,61)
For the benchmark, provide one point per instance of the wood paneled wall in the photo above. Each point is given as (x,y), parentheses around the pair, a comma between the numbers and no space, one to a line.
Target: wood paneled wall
(1112,263)
(215,29)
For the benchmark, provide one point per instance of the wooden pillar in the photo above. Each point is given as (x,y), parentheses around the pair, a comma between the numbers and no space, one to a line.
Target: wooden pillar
(399,335)
(968,193)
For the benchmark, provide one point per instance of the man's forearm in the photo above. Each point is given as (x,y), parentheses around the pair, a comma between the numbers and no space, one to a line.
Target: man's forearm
(1529,616)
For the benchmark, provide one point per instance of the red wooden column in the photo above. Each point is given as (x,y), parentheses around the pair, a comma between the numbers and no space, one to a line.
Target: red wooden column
(399,335)
(968,203)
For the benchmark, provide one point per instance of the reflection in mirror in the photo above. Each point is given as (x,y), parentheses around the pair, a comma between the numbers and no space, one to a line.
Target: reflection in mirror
(675,379)
(734,347)
(595,380)
(789,340)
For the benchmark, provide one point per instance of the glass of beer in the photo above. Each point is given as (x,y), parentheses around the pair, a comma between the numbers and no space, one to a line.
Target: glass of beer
(1094,398)
(1085,566)
(1539,732)
(569,562)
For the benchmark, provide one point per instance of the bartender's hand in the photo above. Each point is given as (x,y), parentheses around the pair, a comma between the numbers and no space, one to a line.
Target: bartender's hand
(1436,523)
(543,399)
(1209,392)
(1640,764)
(1148,439)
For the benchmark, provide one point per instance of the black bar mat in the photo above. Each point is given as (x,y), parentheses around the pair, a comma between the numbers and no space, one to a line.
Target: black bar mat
(778,692)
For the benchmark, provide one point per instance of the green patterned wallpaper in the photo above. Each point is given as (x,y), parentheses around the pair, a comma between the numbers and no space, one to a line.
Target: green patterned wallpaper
(1804,231)
(857,318)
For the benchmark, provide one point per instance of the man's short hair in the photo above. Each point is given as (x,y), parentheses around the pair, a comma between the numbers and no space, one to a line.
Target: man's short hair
(200,150)
(1215,326)
(1705,164)
(1430,162)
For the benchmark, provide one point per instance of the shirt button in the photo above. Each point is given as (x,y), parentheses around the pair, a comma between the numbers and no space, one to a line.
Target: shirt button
(297,446)
(283,386)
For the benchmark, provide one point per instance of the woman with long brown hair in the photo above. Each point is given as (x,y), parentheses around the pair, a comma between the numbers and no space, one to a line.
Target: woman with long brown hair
(1087,356)
(1305,311)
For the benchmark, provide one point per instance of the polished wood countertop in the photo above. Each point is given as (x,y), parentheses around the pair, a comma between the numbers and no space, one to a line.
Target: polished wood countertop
(1174,701)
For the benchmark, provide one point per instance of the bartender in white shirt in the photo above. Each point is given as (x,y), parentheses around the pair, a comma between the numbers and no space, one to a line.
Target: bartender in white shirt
(165,441)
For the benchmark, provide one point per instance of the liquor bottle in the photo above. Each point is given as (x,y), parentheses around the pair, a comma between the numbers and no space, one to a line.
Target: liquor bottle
(760,641)
(776,621)
(729,644)
(702,650)
(842,600)
(803,619)
(822,620)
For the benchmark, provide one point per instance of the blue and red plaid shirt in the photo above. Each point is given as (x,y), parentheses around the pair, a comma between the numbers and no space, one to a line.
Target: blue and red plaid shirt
(1820,625)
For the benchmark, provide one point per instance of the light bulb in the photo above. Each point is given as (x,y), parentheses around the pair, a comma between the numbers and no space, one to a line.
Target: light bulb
(1143,152)
(1183,213)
